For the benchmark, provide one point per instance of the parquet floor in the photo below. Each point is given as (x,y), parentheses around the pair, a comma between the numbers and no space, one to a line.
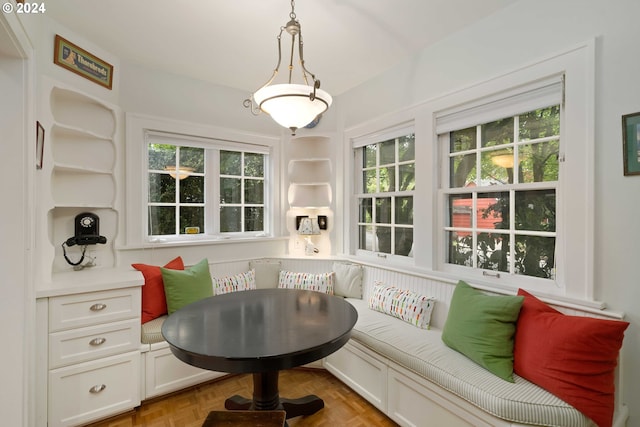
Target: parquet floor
(189,408)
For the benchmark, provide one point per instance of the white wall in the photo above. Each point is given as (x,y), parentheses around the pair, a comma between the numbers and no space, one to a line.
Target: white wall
(520,35)
(17,306)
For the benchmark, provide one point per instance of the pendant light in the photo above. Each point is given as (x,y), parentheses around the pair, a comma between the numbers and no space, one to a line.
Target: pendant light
(291,105)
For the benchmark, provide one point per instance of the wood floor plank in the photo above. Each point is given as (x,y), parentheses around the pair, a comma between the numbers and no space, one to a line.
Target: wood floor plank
(189,408)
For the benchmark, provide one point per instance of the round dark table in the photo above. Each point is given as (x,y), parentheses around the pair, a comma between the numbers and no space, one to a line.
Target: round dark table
(261,332)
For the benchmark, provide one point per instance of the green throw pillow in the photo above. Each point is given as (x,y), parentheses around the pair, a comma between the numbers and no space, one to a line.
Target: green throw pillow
(182,287)
(482,327)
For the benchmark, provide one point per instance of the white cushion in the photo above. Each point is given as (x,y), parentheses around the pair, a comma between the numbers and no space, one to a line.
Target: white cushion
(348,279)
(267,272)
(401,303)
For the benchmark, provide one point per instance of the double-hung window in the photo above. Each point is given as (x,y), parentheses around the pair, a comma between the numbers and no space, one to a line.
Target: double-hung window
(500,184)
(385,192)
(199,187)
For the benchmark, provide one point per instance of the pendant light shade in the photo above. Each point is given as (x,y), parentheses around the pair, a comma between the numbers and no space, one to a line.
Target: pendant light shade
(291,105)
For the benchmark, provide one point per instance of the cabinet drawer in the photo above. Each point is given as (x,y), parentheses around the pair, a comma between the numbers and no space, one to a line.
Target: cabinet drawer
(89,391)
(92,342)
(75,311)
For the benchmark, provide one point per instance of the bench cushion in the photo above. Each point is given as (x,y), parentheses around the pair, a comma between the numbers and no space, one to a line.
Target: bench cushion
(151,332)
(423,352)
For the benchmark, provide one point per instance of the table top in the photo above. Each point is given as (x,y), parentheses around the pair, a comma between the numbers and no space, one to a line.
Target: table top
(259,330)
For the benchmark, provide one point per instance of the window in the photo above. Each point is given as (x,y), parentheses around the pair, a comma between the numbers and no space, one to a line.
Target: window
(386,188)
(198,187)
(500,196)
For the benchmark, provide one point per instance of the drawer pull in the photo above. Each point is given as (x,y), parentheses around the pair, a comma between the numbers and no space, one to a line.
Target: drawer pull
(97,388)
(97,341)
(98,307)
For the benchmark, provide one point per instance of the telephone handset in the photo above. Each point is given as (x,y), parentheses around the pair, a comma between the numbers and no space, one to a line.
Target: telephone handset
(87,232)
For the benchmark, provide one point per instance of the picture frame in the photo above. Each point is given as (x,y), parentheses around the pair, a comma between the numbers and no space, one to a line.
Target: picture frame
(39,145)
(79,61)
(631,143)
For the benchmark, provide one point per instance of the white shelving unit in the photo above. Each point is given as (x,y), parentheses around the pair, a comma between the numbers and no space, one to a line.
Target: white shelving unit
(310,191)
(80,173)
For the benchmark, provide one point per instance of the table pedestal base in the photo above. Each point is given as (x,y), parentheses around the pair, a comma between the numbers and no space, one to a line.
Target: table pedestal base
(267,398)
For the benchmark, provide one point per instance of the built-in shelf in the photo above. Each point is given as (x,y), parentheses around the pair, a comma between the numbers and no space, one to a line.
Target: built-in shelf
(309,173)
(82,161)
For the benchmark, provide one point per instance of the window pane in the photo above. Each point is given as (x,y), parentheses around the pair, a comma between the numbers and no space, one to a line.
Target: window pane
(254,219)
(191,217)
(388,179)
(460,206)
(230,219)
(404,210)
(230,163)
(463,140)
(497,133)
(161,155)
(535,256)
(192,189)
(254,191)
(462,170)
(407,177)
(230,190)
(388,152)
(369,158)
(383,210)
(367,238)
(497,167)
(366,211)
(493,251)
(192,158)
(383,239)
(370,183)
(253,165)
(162,220)
(459,248)
(539,162)
(493,211)
(406,148)
(162,188)
(536,210)
(404,241)
(540,123)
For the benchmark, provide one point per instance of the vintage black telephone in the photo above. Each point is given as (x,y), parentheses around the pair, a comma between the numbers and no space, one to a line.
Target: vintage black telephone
(87,232)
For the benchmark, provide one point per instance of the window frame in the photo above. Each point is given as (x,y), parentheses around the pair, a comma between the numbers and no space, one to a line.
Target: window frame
(140,127)
(357,146)
(512,188)
(575,283)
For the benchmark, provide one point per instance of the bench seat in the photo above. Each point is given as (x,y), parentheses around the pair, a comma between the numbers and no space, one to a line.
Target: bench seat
(423,352)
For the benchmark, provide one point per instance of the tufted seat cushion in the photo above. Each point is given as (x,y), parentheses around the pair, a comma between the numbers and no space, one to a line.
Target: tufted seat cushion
(423,352)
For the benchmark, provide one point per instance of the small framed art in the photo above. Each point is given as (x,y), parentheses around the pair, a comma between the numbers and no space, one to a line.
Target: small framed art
(79,61)
(39,145)
(631,143)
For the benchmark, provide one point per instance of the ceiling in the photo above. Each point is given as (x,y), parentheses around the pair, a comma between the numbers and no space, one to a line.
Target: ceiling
(233,42)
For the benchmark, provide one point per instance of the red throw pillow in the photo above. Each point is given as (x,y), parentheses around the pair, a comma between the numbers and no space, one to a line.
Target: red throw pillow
(154,302)
(572,357)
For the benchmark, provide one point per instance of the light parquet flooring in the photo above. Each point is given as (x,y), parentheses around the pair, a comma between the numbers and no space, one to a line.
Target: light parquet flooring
(189,408)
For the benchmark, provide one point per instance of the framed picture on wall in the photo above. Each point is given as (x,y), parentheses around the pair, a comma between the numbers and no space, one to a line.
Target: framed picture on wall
(79,61)
(631,143)
(39,145)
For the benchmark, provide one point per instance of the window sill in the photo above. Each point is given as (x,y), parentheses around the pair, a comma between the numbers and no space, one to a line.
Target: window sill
(160,243)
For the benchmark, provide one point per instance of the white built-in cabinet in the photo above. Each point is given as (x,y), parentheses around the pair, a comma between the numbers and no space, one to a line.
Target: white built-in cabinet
(88,361)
